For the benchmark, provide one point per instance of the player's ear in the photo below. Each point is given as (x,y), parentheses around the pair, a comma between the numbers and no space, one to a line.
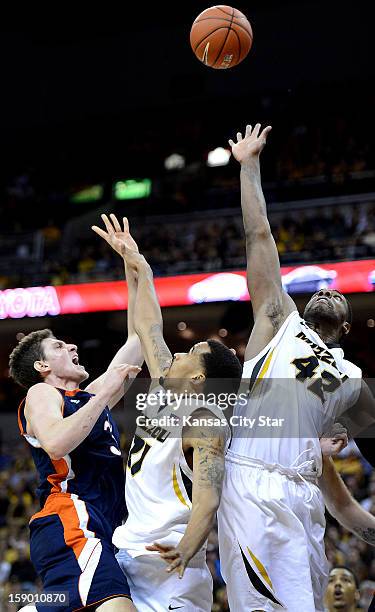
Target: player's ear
(42,367)
(346,328)
(198,379)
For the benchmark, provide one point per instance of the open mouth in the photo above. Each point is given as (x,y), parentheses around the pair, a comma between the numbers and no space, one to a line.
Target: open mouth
(75,360)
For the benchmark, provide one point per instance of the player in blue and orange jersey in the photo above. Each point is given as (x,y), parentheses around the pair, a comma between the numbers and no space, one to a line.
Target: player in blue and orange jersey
(75,446)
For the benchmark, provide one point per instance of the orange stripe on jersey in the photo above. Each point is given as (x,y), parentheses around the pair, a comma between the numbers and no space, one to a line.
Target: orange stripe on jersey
(64,507)
(72,393)
(19,417)
(62,471)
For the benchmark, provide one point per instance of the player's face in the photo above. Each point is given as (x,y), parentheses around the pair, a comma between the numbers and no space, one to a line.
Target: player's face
(62,360)
(341,593)
(327,305)
(186,366)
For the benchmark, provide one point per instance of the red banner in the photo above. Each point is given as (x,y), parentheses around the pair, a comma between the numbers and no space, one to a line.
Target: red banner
(347,277)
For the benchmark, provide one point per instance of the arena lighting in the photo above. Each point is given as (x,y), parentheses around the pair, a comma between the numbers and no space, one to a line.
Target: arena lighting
(174,162)
(350,277)
(181,326)
(218,157)
(132,189)
(223,332)
(93,193)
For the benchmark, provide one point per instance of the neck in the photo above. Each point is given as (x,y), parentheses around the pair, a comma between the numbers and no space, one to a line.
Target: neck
(61,383)
(325,332)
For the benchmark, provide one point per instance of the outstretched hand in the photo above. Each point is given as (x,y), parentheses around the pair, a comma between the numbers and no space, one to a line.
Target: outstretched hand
(117,237)
(251,145)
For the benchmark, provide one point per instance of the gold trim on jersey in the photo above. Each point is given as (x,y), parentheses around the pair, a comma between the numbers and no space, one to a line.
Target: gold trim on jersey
(264,369)
(261,569)
(176,488)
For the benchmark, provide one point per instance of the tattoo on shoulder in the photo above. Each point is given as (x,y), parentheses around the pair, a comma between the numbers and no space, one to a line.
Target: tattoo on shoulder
(159,348)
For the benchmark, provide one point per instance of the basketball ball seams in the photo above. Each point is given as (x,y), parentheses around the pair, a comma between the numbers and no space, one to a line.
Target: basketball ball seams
(239,46)
(229,21)
(209,34)
(221,9)
(225,40)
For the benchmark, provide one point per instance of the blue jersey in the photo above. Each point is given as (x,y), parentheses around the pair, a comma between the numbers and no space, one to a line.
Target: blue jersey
(93,472)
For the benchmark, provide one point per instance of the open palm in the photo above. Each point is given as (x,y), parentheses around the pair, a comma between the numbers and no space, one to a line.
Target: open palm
(117,237)
(251,145)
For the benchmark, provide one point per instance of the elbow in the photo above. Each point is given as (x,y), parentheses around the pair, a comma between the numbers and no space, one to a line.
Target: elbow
(258,232)
(211,506)
(55,450)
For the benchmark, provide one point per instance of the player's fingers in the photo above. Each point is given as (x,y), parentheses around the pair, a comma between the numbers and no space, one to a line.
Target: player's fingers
(162,547)
(100,232)
(248,130)
(256,130)
(115,222)
(174,565)
(107,223)
(239,136)
(182,571)
(231,143)
(152,548)
(171,554)
(126,225)
(266,131)
(339,446)
(134,370)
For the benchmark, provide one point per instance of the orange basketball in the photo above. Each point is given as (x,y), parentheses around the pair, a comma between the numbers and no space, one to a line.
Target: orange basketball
(221,37)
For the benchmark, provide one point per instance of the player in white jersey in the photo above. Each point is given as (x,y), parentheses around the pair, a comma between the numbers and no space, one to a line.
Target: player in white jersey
(271,517)
(176,462)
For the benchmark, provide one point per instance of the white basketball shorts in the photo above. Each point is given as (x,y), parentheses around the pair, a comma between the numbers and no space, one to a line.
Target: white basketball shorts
(271,538)
(154,590)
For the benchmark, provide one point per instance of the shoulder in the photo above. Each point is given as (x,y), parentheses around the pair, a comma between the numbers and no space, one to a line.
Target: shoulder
(42,391)
(204,424)
(352,370)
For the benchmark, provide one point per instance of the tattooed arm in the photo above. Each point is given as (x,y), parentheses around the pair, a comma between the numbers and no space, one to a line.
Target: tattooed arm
(148,323)
(207,446)
(343,507)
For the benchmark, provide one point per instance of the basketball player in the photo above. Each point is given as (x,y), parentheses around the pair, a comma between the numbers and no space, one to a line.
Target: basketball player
(294,367)
(175,471)
(342,591)
(75,446)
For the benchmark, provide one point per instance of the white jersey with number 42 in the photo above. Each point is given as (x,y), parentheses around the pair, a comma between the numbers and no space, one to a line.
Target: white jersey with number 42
(291,393)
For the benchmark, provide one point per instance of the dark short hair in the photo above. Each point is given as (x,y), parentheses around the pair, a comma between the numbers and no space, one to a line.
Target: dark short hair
(24,355)
(344,567)
(223,369)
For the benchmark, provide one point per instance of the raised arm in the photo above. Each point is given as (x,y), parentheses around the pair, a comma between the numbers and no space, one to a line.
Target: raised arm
(271,305)
(208,447)
(342,506)
(146,313)
(148,322)
(131,351)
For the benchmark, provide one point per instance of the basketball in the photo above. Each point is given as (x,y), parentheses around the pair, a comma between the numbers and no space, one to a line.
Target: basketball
(221,37)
